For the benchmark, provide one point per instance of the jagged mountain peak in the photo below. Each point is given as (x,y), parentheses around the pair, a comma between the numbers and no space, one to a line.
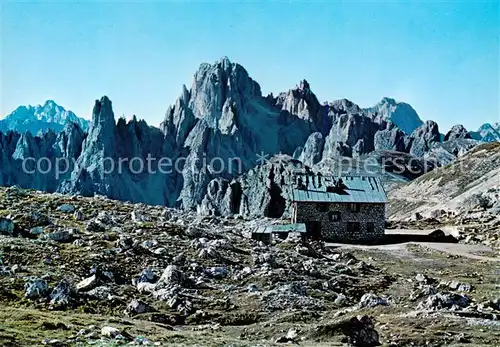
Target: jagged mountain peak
(388,100)
(345,104)
(50,103)
(458,131)
(487,132)
(304,85)
(102,114)
(400,113)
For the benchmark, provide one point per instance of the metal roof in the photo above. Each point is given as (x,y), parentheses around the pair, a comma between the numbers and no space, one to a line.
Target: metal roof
(288,228)
(355,189)
(281,228)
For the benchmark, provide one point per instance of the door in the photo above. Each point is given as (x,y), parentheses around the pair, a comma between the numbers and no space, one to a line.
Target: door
(314,229)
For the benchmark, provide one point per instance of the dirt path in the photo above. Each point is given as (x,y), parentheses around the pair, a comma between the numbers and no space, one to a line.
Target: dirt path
(458,249)
(463,250)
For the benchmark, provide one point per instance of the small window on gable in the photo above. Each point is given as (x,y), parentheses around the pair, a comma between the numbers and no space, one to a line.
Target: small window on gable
(334,216)
(322,207)
(354,207)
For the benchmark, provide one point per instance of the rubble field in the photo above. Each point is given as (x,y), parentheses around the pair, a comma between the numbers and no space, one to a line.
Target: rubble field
(78,271)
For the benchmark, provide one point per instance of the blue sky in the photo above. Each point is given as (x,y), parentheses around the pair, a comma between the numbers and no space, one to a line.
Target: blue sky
(441,57)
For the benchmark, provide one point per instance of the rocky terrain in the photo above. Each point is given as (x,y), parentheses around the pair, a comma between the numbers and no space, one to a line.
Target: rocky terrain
(464,195)
(77,271)
(471,183)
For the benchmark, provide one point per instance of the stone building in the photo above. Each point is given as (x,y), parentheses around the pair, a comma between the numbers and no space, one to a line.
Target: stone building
(342,209)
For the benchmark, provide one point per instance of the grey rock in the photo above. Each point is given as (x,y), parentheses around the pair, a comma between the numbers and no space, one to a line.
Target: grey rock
(104,218)
(7,226)
(370,300)
(252,288)
(421,278)
(36,231)
(36,288)
(61,236)
(444,300)
(95,226)
(217,272)
(88,283)
(66,208)
(171,276)
(209,253)
(424,137)
(361,332)
(458,286)
(100,293)
(457,132)
(139,217)
(340,300)
(110,332)
(137,307)
(62,294)
(78,216)
(147,275)
(39,219)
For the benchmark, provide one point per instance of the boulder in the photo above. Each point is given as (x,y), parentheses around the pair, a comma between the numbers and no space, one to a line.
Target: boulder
(7,226)
(36,288)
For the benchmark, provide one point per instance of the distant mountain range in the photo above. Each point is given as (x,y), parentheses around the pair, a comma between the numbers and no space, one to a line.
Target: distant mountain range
(223,115)
(41,118)
(487,132)
(54,117)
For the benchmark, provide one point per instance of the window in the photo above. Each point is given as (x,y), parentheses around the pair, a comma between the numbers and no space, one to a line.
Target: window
(352,227)
(334,216)
(322,207)
(370,228)
(354,207)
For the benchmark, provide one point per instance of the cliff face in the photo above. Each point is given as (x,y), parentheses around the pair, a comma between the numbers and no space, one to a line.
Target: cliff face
(213,134)
(39,162)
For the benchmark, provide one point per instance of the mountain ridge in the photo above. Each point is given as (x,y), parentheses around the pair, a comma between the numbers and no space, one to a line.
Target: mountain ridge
(223,115)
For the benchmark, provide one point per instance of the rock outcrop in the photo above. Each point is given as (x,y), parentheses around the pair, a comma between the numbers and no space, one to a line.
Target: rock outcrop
(423,137)
(457,132)
(399,113)
(114,161)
